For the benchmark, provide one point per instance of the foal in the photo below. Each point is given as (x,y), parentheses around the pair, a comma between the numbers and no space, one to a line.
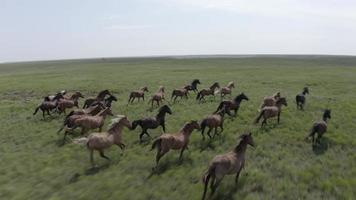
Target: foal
(152,122)
(179,93)
(271,100)
(226,90)
(214,121)
(233,104)
(104,140)
(192,86)
(207,91)
(300,98)
(175,141)
(271,111)
(48,105)
(230,163)
(320,127)
(100,97)
(137,94)
(158,96)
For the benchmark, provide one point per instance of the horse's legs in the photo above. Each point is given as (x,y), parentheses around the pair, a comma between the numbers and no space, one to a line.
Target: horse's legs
(122,146)
(142,133)
(209,132)
(163,127)
(279,115)
(237,176)
(159,155)
(43,114)
(264,122)
(202,131)
(217,182)
(48,113)
(181,153)
(103,155)
(64,137)
(215,131)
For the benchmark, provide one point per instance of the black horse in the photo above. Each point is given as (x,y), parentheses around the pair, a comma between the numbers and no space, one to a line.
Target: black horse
(300,98)
(193,86)
(152,122)
(233,104)
(108,101)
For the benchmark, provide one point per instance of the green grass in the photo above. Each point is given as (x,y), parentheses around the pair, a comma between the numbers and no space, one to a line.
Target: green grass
(282,166)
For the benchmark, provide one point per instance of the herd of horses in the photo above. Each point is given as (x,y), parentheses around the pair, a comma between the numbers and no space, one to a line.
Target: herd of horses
(96,109)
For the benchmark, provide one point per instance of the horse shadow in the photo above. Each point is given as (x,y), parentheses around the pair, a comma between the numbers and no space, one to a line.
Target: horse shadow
(321,148)
(206,145)
(164,166)
(229,191)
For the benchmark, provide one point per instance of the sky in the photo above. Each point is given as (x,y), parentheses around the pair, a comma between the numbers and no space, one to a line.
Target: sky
(67,29)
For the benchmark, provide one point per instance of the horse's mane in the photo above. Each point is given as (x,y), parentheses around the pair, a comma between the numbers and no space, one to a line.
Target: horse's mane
(216,84)
(281,99)
(230,83)
(238,97)
(238,148)
(115,121)
(102,92)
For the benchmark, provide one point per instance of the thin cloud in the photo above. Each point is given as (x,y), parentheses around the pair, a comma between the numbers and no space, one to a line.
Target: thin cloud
(127,27)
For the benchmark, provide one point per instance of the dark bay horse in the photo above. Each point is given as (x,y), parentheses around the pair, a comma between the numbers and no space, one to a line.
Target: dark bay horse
(233,104)
(207,91)
(100,97)
(193,85)
(300,98)
(152,122)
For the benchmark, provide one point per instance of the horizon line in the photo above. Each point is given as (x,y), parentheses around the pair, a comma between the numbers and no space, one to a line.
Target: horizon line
(178,56)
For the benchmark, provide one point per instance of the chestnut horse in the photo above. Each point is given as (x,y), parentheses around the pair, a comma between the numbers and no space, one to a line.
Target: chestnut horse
(137,94)
(207,91)
(272,111)
(233,104)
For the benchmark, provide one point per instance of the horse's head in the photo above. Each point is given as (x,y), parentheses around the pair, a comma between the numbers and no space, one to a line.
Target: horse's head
(58,96)
(112,98)
(306,90)
(247,139)
(196,81)
(126,122)
(215,85)
(108,111)
(134,124)
(241,96)
(327,114)
(282,101)
(231,84)
(277,95)
(77,95)
(194,124)
(165,109)
(145,89)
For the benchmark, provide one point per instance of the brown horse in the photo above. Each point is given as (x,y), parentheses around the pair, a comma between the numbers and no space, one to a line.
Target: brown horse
(300,98)
(230,163)
(153,122)
(214,121)
(271,100)
(88,122)
(100,97)
(157,97)
(48,105)
(51,97)
(69,121)
(233,104)
(104,140)
(137,94)
(225,90)
(63,104)
(207,91)
(320,127)
(174,141)
(192,86)
(272,111)
(179,93)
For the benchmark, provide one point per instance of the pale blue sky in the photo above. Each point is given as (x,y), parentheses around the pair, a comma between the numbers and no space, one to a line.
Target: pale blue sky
(63,29)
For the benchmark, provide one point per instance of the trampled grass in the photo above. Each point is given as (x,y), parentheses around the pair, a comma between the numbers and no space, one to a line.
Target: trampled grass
(282,166)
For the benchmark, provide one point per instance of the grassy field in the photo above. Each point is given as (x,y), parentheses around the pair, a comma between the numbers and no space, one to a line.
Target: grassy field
(282,166)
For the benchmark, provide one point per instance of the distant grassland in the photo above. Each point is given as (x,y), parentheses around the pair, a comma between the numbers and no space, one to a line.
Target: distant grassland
(282,166)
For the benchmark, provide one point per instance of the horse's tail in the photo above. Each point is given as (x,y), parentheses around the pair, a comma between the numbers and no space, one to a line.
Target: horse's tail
(199,95)
(36,110)
(311,132)
(221,105)
(81,141)
(206,179)
(156,143)
(259,117)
